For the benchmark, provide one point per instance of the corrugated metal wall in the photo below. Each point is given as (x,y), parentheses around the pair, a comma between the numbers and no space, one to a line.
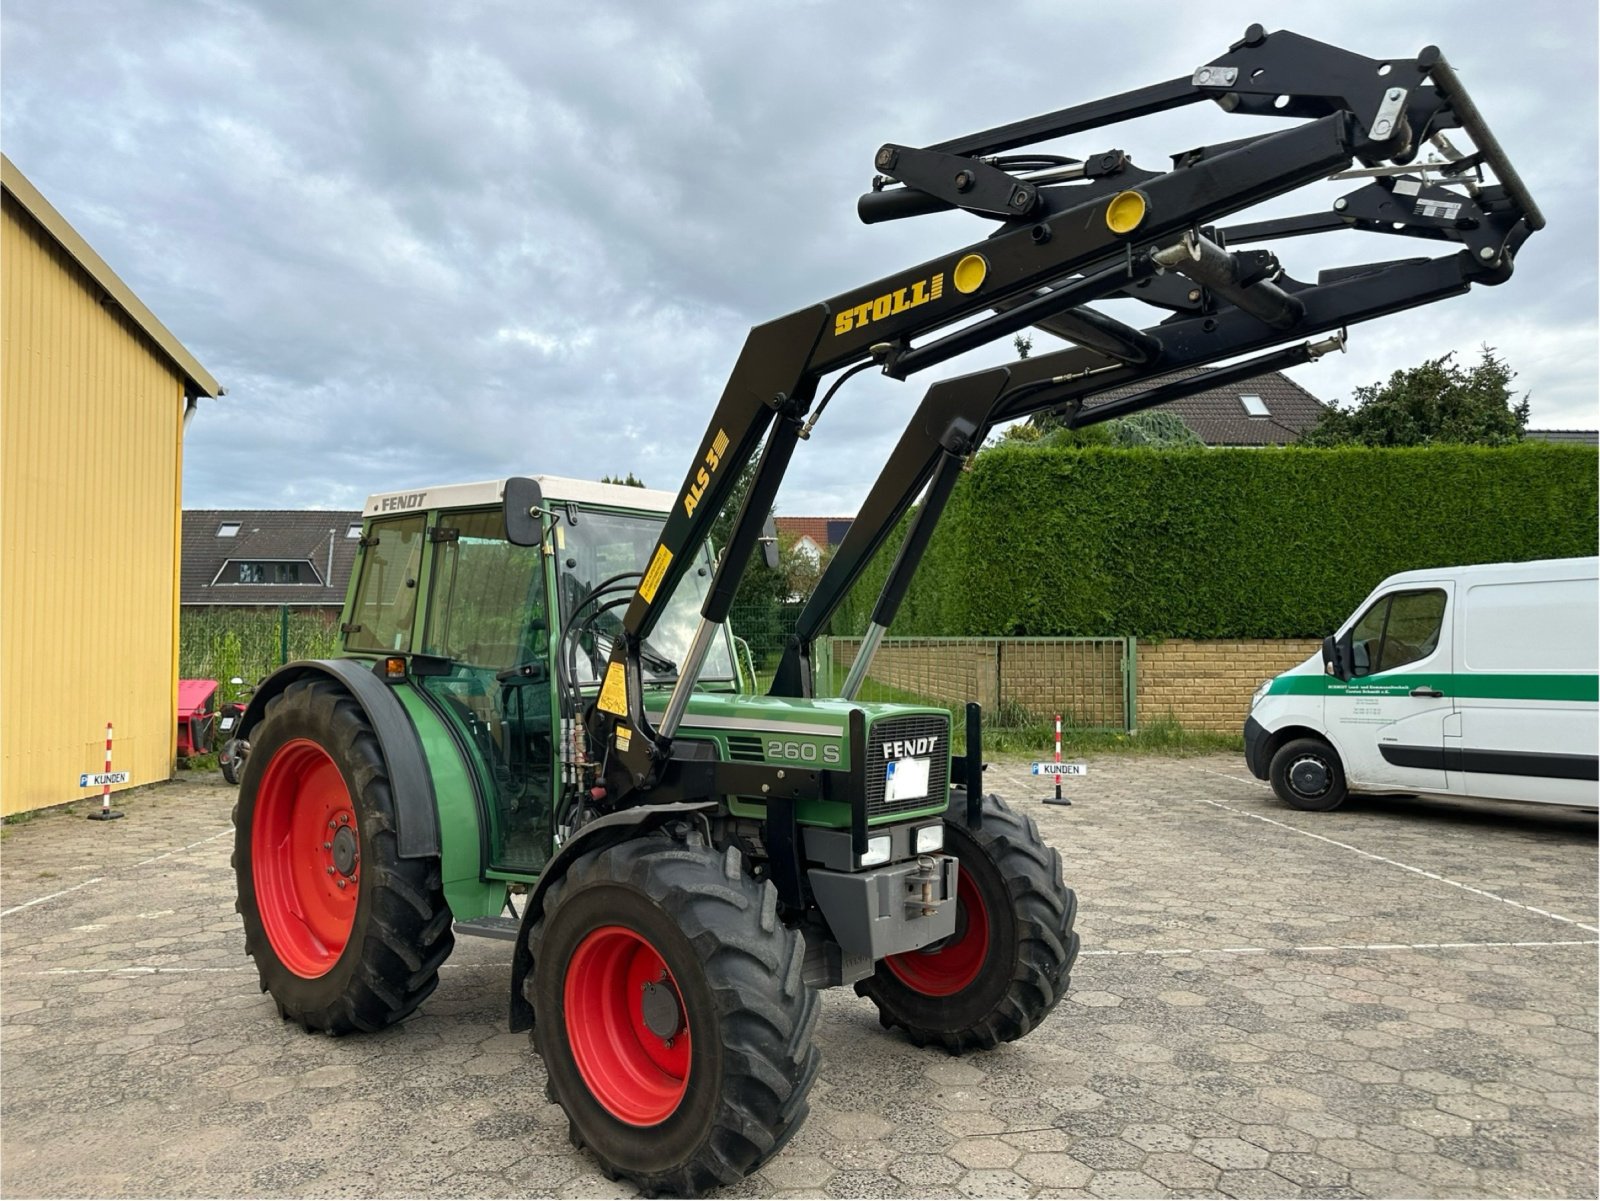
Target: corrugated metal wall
(90,457)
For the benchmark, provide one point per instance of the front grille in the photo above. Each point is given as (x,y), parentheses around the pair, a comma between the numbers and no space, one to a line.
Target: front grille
(746,748)
(902,729)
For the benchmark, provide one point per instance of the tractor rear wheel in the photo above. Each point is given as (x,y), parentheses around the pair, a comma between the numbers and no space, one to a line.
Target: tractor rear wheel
(672,1016)
(1008,963)
(346,935)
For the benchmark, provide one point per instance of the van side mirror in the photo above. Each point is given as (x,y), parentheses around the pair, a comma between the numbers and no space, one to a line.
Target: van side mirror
(523,499)
(1336,656)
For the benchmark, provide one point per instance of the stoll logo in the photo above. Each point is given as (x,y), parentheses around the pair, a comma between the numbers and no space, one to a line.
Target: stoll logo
(393,504)
(905,748)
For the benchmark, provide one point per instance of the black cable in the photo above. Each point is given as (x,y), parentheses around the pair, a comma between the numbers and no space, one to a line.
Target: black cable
(816,414)
(1025,161)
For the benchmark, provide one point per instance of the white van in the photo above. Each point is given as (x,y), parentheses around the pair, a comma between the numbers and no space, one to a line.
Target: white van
(1452,682)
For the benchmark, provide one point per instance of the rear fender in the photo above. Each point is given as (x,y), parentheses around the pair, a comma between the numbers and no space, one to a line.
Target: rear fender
(602,832)
(416,813)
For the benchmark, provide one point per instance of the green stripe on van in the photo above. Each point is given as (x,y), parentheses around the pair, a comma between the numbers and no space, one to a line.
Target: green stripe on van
(1479,685)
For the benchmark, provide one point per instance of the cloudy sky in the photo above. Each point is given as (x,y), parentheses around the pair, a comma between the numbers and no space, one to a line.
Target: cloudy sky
(421,243)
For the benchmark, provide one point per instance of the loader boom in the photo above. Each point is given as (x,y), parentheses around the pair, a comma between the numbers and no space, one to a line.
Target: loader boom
(1072,232)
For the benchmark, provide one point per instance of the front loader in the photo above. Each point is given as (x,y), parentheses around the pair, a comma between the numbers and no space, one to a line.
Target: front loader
(539,728)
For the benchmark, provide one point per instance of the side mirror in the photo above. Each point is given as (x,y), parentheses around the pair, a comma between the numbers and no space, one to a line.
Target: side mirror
(522,503)
(769,543)
(1336,656)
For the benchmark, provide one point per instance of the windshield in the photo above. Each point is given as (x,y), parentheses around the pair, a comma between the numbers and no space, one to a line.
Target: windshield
(602,545)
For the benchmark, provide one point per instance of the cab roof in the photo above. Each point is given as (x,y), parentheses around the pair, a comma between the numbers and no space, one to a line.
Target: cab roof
(491,492)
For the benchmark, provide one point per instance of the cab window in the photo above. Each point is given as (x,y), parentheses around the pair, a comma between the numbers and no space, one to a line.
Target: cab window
(488,602)
(386,594)
(1401,628)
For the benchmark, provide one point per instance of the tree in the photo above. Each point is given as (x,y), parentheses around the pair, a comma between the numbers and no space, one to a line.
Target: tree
(1439,401)
(1162,431)
(632,481)
(1154,428)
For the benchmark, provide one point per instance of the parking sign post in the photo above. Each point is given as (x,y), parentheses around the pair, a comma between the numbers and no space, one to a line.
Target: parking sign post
(105,813)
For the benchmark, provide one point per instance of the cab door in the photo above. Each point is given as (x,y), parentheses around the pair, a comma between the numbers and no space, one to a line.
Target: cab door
(1390,718)
(488,636)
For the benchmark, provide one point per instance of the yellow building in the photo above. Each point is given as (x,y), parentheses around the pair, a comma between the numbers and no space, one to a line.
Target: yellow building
(94,394)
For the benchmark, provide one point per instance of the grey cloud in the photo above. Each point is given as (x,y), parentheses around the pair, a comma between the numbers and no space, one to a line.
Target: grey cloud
(422,243)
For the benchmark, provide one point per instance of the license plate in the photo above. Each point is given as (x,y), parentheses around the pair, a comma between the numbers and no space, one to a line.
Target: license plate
(227,723)
(906,779)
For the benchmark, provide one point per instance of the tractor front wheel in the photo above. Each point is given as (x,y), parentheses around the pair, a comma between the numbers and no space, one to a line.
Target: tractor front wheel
(346,935)
(1007,964)
(672,1016)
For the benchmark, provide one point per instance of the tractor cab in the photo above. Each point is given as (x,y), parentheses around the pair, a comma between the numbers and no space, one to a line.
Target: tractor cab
(482,626)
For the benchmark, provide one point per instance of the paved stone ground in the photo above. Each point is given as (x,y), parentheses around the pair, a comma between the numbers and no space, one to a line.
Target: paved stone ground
(1396,999)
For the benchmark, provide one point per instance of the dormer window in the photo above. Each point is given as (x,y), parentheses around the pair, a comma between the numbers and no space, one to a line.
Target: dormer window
(1254,406)
(228,529)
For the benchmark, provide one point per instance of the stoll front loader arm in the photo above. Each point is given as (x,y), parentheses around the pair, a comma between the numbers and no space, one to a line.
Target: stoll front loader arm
(1070,232)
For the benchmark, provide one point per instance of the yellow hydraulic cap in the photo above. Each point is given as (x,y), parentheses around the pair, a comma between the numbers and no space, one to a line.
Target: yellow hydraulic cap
(970,273)
(1125,212)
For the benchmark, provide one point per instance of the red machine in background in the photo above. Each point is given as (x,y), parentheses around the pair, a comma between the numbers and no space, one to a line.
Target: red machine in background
(197,717)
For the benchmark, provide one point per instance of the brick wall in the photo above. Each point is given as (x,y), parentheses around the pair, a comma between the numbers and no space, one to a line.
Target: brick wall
(1207,685)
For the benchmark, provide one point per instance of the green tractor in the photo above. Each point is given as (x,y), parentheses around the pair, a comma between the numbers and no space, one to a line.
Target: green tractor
(539,695)
(405,792)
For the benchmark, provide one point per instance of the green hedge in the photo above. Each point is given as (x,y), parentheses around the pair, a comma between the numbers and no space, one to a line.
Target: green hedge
(1225,543)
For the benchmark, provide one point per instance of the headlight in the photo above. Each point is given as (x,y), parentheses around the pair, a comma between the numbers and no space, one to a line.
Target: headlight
(930,838)
(1260,692)
(878,851)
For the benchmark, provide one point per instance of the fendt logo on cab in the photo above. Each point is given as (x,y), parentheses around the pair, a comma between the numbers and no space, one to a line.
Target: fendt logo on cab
(906,748)
(411,500)
(889,304)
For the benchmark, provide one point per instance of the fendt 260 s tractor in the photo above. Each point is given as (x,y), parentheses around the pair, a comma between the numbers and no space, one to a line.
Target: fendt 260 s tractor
(539,696)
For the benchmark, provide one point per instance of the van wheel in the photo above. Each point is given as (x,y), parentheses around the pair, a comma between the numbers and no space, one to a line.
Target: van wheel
(1306,774)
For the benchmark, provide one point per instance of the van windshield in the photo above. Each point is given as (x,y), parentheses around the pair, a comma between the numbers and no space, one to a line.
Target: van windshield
(601,545)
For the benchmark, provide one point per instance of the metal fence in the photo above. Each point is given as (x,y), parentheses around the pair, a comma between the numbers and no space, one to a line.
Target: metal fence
(219,642)
(1020,682)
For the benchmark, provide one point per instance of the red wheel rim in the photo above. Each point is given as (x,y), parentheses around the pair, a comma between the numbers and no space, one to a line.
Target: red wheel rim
(956,964)
(636,1063)
(305,855)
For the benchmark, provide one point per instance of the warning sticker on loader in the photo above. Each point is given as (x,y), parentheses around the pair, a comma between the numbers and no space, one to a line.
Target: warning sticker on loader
(614,692)
(652,577)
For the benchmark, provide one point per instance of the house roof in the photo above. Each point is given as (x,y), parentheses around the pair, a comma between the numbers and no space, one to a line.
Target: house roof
(266,536)
(1219,418)
(824,531)
(1571,437)
(197,380)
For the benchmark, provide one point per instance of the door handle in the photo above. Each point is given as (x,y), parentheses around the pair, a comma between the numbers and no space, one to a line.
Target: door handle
(1424,690)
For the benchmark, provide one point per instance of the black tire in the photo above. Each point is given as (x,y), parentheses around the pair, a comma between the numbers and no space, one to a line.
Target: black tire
(1306,774)
(399,927)
(744,1012)
(1022,968)
(227,760)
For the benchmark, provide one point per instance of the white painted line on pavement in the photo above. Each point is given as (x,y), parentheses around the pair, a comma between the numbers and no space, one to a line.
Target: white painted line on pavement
(1371,946)
(1272,821)
(51,897)
(137,970)
(101,879)
(181,850)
